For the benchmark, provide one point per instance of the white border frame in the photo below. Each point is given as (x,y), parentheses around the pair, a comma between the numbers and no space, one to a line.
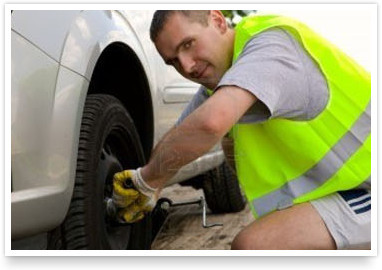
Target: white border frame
(7,129)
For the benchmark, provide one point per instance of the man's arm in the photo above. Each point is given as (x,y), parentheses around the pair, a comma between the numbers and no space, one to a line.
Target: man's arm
(197,134)
(198,99)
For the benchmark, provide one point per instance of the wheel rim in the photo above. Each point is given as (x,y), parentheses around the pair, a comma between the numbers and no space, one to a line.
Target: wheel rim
(115,155)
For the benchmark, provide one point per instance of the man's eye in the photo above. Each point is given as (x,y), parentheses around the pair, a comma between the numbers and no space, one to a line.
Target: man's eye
(188,44)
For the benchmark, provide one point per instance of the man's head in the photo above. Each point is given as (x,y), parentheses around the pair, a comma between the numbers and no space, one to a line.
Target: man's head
(198,43)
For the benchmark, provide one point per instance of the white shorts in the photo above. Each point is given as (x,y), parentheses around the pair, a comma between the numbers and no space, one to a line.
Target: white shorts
(347,216)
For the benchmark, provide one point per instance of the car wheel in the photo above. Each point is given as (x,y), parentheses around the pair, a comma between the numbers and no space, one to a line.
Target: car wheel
(108,143)
(222,191)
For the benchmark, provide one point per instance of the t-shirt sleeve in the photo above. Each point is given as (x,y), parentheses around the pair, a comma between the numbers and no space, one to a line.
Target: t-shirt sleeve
(270,68)
(199,97)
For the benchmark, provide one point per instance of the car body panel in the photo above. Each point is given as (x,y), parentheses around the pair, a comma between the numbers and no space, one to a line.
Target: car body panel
(41,21)
(32,105)
(44,204)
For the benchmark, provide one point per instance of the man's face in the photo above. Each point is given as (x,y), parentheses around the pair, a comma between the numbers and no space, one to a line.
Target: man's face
(198,52)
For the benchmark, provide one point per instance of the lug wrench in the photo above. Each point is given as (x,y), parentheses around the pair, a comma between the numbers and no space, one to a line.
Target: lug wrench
(165,204)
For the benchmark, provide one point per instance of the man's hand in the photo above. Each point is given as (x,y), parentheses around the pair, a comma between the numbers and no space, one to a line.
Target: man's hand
(132,196)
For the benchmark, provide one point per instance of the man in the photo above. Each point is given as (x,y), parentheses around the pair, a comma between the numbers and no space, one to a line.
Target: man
(298,111)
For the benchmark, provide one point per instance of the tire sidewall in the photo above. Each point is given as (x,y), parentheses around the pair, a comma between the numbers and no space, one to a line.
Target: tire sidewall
(85,224)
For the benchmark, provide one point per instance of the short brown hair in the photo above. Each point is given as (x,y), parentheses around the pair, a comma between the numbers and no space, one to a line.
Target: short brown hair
(161,16)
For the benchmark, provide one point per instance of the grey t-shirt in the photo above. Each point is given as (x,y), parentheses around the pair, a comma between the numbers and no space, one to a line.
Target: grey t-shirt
(280,73)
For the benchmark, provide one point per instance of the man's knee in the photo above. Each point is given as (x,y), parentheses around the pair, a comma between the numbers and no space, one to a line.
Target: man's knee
(239,242)
(247,240)
(297,227)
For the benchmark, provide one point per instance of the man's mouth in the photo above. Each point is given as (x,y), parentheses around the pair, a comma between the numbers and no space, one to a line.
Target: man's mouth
(200,75)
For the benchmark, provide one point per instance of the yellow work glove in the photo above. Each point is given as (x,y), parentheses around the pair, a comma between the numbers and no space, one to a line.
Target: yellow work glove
(135,211)
(132,196)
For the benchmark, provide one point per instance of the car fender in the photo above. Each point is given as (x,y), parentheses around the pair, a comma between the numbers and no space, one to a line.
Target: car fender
(92,31)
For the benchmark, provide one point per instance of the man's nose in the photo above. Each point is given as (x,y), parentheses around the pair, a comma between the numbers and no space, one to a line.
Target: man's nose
(188,64)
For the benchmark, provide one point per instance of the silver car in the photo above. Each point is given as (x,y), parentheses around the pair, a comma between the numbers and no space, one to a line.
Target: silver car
(90,97)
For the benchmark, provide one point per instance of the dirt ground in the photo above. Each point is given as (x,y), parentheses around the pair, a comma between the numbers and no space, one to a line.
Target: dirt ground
(183,228)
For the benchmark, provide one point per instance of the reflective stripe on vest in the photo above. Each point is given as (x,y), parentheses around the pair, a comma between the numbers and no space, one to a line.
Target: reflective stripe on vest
(321,172)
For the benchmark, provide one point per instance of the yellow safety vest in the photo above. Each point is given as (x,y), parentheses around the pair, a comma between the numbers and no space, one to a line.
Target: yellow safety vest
(282,162)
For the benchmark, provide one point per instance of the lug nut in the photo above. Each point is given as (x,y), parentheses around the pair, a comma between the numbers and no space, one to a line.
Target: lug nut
(165,206)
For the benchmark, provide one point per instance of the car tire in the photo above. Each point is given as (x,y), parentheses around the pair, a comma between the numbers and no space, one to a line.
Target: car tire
(222,191)
(108,143)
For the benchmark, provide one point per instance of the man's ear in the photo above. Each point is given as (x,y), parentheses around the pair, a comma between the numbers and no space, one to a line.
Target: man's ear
(218,20)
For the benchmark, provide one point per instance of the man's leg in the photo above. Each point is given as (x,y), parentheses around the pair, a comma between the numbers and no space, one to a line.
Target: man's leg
(297,227)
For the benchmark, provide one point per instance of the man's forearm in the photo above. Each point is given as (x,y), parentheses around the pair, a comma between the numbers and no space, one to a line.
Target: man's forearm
(197,134)
(180,146)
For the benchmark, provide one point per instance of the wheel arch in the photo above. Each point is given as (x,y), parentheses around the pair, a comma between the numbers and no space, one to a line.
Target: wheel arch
(119,72)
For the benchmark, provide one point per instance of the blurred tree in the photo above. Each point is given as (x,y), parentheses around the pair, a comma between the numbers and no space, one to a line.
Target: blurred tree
(235,16)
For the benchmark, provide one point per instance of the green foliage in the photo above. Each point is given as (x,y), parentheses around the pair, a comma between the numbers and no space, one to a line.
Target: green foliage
(234,16)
